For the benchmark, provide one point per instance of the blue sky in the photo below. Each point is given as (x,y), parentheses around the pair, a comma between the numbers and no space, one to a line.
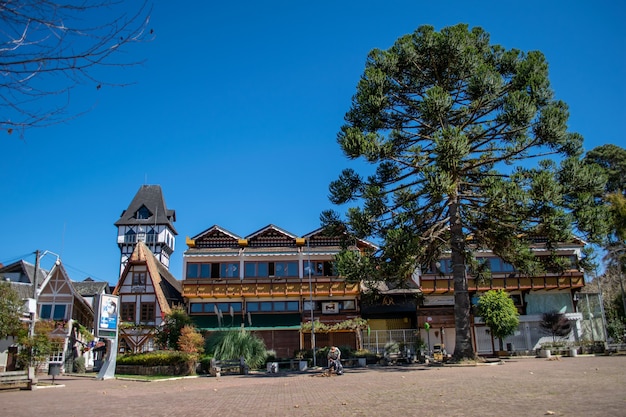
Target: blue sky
(236,109)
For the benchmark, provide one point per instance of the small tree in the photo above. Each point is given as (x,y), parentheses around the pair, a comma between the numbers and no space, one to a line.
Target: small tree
(192,343)
(555,324)
(11,307)
(167,336)
(499,313)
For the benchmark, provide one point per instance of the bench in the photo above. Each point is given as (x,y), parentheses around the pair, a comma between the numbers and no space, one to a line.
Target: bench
(230,365)
(14,379)
(615,348)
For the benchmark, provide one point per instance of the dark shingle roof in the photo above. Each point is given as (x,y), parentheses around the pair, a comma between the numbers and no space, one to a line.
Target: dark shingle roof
(22,271)
(89,287)
(150,196)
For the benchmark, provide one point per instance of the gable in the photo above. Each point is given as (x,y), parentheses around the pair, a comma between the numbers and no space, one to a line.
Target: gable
(271,236)
(216,237)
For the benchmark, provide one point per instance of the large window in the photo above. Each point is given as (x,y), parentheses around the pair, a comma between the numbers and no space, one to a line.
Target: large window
(319,268)
(198,270)
(130,237)
(53,312)
(212,270)
(128,312)
(271,306)
(147,312)
(271,269)
(212,308)
(229,270)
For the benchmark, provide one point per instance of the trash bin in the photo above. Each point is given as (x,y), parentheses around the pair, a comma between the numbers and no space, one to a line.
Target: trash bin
(54,369)
(509,347)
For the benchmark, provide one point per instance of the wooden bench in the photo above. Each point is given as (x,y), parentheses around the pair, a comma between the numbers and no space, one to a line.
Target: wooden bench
(615,348)
(14,379)
(230,365)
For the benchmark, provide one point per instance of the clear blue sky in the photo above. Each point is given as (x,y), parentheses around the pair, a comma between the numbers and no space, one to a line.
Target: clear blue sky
(236,109)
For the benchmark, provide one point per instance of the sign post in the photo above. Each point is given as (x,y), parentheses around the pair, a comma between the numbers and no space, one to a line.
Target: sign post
(107,319)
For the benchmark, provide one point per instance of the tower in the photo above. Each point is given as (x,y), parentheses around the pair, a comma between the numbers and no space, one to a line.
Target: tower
(147,219)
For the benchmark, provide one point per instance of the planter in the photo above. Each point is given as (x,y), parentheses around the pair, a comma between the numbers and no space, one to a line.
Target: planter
(545,353)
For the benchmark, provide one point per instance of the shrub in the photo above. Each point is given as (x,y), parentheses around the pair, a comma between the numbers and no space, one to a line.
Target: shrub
(79,365)
(155,358)
(233,344)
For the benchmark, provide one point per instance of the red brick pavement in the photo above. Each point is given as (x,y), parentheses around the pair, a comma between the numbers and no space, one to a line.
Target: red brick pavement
(581,386)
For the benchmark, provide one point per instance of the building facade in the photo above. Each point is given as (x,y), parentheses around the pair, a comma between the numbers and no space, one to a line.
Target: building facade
(269,282)
(147,219)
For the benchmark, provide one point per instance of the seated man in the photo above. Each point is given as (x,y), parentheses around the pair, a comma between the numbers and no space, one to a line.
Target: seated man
(334,360)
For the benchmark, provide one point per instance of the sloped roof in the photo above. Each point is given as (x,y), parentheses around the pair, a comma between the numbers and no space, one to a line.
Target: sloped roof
(150,196)
(167,288)
(22,271)
(215,230)
(90,288)
(58,268)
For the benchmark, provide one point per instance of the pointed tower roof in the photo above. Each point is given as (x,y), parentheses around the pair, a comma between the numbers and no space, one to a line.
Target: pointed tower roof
(148,208)
(167,288)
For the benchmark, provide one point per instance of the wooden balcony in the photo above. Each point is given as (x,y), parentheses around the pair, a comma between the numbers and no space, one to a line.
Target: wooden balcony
(437,284)
(267,287)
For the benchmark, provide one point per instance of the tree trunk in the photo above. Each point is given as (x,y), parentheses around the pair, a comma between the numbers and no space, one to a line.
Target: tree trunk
(463,348)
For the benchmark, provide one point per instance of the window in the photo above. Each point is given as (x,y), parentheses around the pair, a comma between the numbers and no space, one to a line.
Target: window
(319,268)
(46,311)
(54,312)
(139,278)
(147,312)
(151,237)
(211,308)
(256,269)
(285,269)
(59,312)
(128,312)
(143,213)
(271,306)
(229,270)
(130,237)
(198,270)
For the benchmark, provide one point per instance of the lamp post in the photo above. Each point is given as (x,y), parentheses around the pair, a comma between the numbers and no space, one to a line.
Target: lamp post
(311,305)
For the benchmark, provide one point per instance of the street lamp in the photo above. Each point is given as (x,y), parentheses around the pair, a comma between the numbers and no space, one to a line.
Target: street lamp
(311,305)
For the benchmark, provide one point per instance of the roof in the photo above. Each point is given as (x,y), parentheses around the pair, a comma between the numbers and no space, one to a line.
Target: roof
(90,288)
(151,197)
(22,271)
(167,288)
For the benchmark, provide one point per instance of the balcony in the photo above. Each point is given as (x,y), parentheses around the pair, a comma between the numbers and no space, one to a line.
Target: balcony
(267,287)
(442,284)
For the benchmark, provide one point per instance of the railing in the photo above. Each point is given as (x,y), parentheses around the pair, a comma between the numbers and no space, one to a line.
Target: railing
(375,340)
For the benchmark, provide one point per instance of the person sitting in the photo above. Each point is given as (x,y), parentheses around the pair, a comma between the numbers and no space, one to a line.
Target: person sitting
(334,360)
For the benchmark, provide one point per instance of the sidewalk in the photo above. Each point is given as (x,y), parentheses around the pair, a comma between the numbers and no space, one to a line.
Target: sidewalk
(581,386)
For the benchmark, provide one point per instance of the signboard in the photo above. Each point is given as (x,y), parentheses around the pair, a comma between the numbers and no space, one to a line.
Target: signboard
(107,316)
(330,308)
(439,300)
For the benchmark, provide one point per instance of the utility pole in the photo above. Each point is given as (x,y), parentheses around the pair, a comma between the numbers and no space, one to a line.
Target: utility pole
(33,315)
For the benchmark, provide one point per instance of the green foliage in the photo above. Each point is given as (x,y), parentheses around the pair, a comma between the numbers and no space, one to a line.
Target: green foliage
(34,350)
(452,125)
(11,307)
(167,335)
(498,311)
(555,324)
(233,344)
(79,365)
(155,358)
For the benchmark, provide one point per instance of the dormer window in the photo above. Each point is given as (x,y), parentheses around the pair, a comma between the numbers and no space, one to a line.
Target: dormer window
(143,213)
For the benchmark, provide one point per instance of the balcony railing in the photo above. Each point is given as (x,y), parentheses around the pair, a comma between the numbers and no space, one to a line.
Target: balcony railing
(265,287)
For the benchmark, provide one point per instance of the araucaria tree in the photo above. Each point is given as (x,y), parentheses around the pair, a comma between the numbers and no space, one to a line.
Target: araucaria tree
(48,47)
(467,141)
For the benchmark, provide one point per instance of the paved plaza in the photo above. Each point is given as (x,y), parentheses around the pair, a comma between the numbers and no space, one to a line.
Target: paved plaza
(580,386)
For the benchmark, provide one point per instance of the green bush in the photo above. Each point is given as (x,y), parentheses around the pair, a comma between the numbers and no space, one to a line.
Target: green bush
(233,344)
(79,365)
(155,358)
